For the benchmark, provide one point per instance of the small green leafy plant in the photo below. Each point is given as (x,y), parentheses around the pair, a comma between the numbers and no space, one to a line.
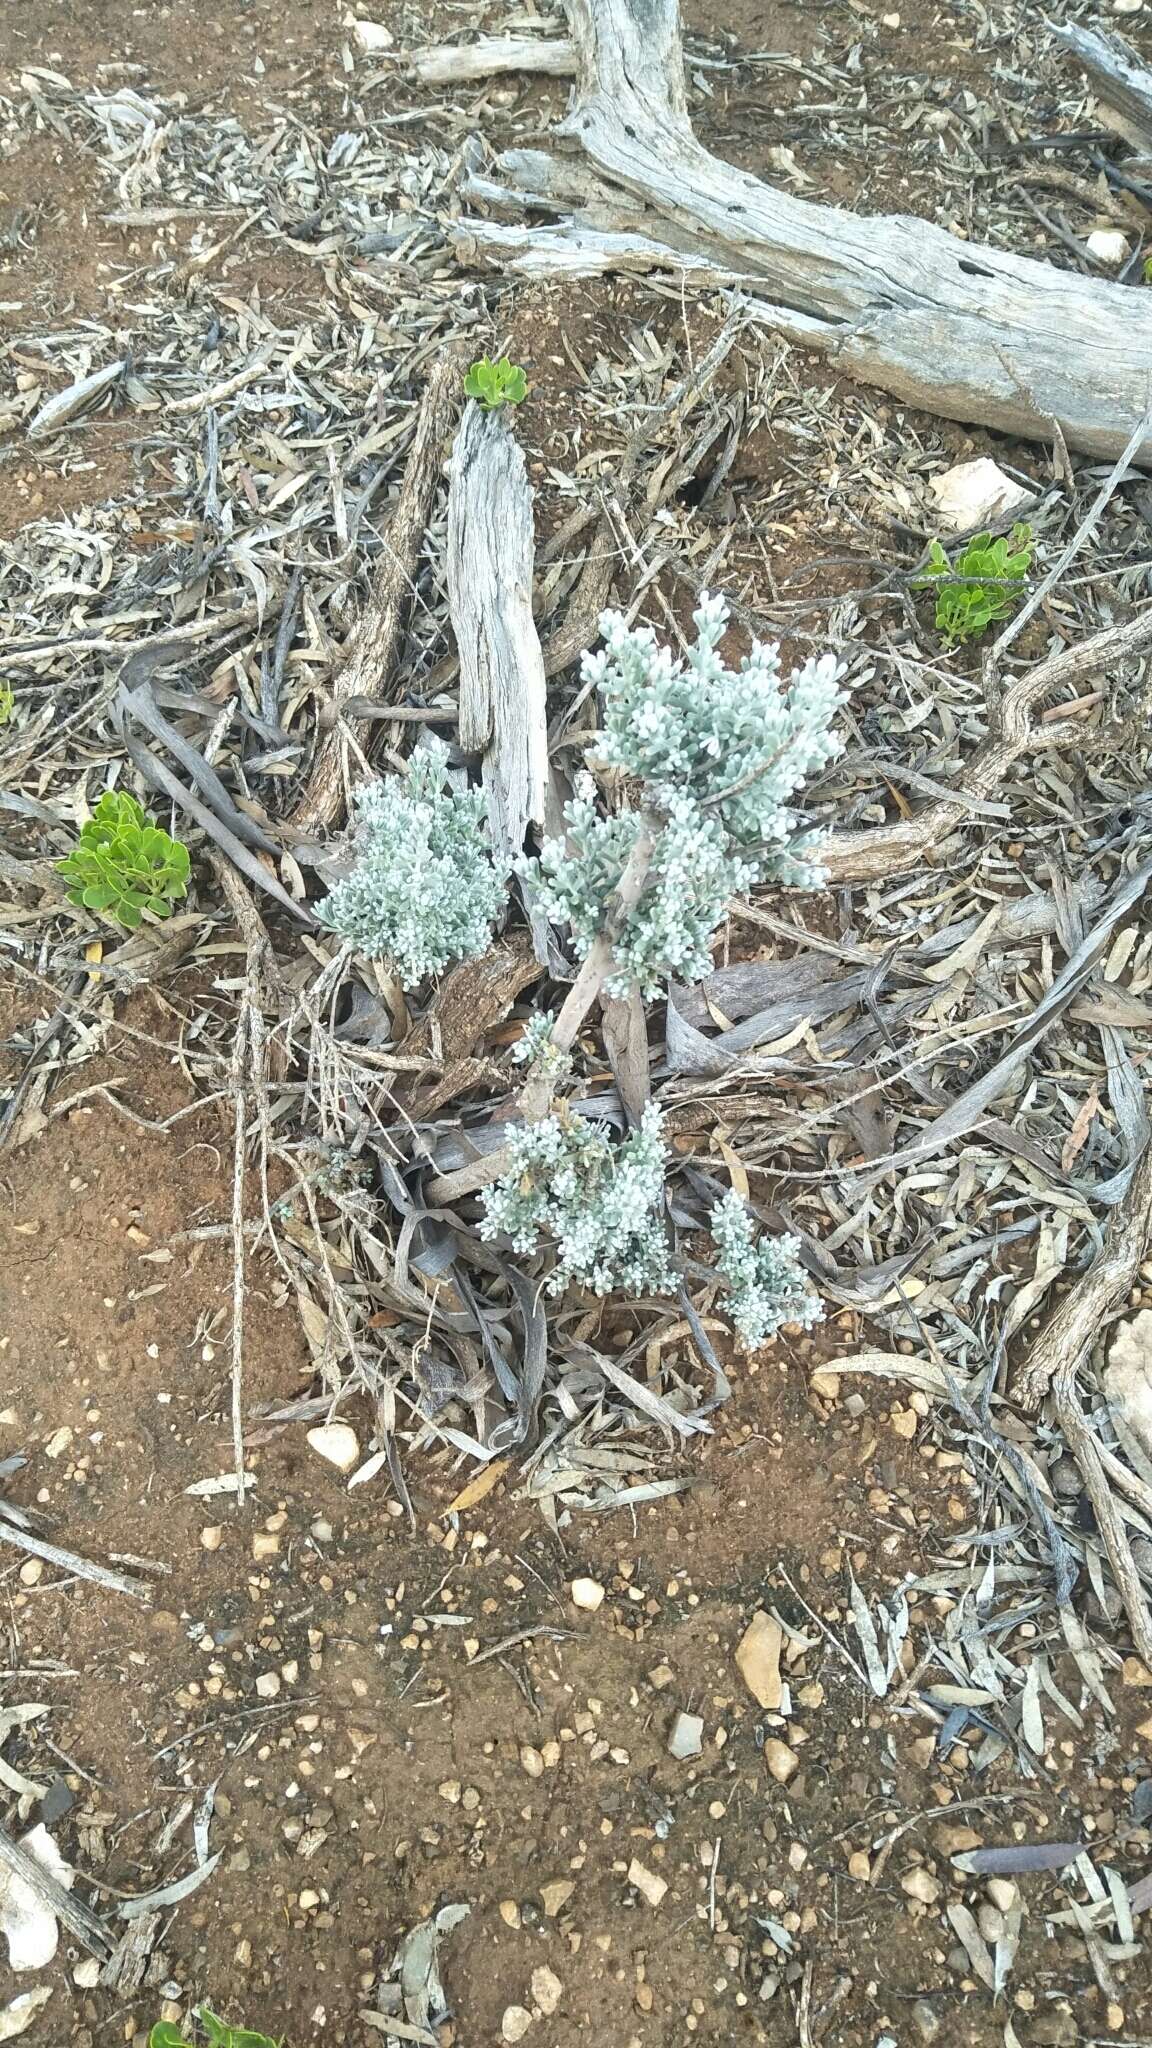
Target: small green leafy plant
(123,864)
(495,384)
(980,586)
(1148,270)
(217,2033)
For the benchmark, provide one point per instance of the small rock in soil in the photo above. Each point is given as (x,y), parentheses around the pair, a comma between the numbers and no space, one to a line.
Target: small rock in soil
(972,494)
(782,1762)
(555,1895)
(758,1659)
(927,2021)
(1054,2029)
(547,1990)
(686,1736)
(515,2023)
(647,1883)
(920,1884)
(956,1841)
(588,1594)
(336,1443)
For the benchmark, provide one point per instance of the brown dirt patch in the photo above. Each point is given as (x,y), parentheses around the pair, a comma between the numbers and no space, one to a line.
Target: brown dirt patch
(391,1773)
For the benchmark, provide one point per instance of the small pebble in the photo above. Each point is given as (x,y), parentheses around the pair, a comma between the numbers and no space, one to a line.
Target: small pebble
(758,1659)
(1109,246)
(515,2023)
(547,1990)
(268,1685)
(531,1761)
(555,1895)
(212,1537)
(646,1882)
(686,1736)
(588,1594)
(32,1571)
(337,1444)
(920,1884)
(782,1762)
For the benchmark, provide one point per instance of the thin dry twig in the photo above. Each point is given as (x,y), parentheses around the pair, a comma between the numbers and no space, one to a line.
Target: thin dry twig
(376,636)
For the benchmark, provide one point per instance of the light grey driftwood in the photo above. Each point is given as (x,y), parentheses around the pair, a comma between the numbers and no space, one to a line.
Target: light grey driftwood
(1122,85)
(462,63)
(503,694)
(956,328)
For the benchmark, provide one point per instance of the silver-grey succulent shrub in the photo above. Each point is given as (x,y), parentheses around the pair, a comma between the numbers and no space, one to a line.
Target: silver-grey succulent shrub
(422,891)
(719,754)
(766,1282)
(602,1203)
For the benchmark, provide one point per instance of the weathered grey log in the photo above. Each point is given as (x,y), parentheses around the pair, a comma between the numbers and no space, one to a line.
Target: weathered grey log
(958,329)
(1121,83)
(461,63)
(503,694)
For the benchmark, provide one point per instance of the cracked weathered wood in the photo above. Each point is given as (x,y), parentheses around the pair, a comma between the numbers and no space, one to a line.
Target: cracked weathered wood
(1120,82)
(503,694)
(461,63)
(959,329)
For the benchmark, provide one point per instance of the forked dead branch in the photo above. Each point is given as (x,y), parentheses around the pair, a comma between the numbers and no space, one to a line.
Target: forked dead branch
(963,330)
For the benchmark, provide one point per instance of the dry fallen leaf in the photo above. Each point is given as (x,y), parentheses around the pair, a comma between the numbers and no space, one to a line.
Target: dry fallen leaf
(478,1489)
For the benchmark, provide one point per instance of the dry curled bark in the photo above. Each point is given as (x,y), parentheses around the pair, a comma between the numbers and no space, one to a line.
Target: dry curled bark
(966,331)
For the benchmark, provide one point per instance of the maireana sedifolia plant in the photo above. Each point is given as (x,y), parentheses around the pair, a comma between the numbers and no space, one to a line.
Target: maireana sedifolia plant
(423,891)
(602,1203)
(766,1284)
(717,755)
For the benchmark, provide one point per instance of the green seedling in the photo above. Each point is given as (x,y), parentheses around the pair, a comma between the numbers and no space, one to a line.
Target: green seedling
(123,864)
(982,584)
(217,2034)
(495,384)
(1148,270)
